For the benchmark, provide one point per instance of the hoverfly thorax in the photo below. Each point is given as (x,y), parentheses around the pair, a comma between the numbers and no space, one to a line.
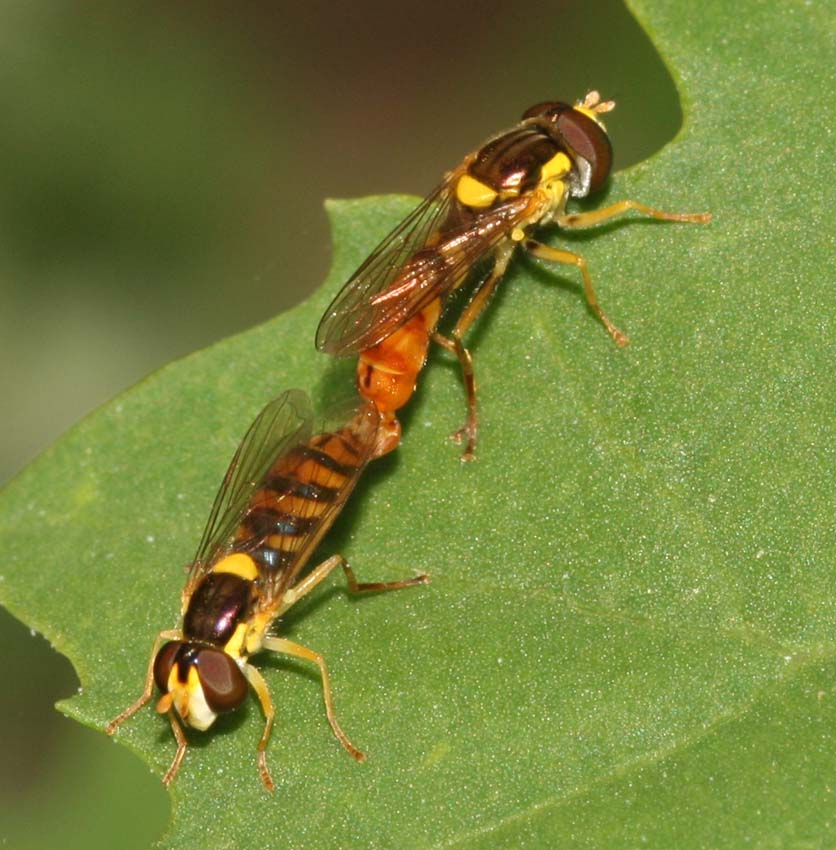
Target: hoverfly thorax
(201,677)
(219,604)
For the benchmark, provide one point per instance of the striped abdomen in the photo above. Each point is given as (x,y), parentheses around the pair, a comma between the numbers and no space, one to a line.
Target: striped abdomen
(301,497)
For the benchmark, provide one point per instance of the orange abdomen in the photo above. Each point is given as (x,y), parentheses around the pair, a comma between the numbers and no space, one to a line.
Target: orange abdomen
(387,372)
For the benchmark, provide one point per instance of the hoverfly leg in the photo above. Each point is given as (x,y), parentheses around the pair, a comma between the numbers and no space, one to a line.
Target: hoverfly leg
(305,585)
(454,344)
(470,427)
(323,570)
(182,744)
(258,684)
(546,252)
(593,217)
(380,586)
(170,634)
(288,647)
(130,710)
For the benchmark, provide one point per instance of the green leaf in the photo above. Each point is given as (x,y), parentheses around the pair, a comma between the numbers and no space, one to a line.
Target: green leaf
(628,638)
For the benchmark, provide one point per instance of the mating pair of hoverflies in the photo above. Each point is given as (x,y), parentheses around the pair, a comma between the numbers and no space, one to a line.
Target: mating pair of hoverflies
(288,481)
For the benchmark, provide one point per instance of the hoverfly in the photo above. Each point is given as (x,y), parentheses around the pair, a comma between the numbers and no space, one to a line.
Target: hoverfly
(281,493)
(482,210)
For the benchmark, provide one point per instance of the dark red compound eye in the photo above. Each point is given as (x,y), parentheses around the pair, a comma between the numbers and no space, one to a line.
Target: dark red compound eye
(224,685)
(548,108)
(588,140)
(164,662)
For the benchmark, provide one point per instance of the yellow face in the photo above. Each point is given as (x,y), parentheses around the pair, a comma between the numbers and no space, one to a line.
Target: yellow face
(188,700)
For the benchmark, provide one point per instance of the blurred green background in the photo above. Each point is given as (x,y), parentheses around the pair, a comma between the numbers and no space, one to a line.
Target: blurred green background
(162,173)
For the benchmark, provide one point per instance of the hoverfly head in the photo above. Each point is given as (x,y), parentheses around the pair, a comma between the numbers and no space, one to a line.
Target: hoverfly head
(581,132)
(199,682)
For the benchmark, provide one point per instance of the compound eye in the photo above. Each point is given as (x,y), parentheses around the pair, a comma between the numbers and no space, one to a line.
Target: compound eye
(224,685)
(589,140)
(163,663)
(546,109)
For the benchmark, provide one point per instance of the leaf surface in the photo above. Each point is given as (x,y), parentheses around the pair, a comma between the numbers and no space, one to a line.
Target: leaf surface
(628,637)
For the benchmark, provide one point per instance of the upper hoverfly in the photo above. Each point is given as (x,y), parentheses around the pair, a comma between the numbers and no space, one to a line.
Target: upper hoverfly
(483,209)
(283,490)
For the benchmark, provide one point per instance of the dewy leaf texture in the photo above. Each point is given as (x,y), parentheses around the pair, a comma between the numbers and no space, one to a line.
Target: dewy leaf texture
(628,637)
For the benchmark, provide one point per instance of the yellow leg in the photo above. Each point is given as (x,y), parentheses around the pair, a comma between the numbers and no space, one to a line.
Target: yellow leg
(545,252)
(593,217)
(182,743)
(258,684)
(323,570)
(304,586)
(454,344)
(288,647)
(276,644)
(379,586)
(172,634)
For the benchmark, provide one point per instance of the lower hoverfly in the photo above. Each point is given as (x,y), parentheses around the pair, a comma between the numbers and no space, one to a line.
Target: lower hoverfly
(482,210)
(281,493)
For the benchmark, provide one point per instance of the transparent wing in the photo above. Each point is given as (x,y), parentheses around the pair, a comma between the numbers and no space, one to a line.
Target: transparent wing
(425,257)
(284,422)
(304,492)
(353,322)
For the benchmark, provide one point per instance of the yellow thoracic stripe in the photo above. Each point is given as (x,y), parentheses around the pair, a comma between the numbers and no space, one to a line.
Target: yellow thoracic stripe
(474,193)
(238,564)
